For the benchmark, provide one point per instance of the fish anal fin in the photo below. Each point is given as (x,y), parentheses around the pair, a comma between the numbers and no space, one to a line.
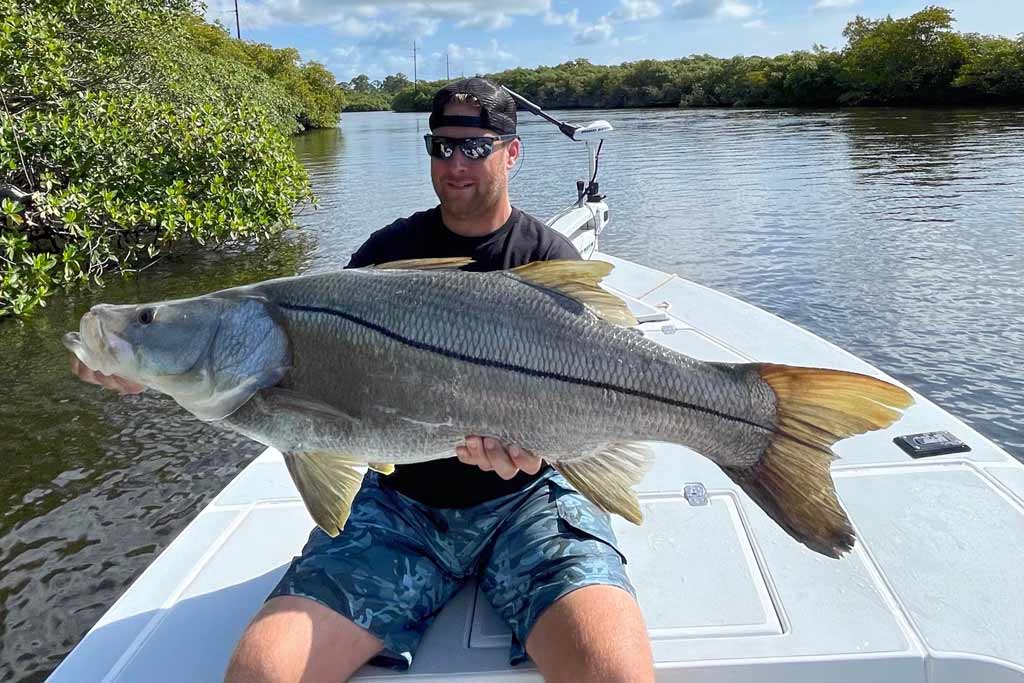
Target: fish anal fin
(383,468)
(447,263)
(606,478)
(579,280)
(328,483)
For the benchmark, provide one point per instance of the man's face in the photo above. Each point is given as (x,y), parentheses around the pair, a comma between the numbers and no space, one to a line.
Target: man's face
(465,187)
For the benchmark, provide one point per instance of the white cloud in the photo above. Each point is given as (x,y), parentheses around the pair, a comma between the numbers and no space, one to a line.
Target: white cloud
(598,32)
(756,23)
(266,13)
(834,4)
(570,18)
(412,26)
(489,22)
(478,60)
(694,9)
(708,9)
(635,10)
(734,9)
(347,52)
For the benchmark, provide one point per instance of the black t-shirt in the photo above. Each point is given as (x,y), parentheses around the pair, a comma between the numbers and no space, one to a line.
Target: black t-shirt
(522,239)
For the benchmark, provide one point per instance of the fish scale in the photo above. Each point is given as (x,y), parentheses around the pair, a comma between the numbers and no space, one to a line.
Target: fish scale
(569,368)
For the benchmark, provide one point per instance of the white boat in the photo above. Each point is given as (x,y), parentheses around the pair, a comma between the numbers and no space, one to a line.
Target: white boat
(930,594)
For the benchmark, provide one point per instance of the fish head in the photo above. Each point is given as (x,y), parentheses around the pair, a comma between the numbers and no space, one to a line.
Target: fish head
(209,353)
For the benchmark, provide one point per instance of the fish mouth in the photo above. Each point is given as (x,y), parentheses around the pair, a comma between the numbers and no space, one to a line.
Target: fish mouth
(72,341)
(98,348)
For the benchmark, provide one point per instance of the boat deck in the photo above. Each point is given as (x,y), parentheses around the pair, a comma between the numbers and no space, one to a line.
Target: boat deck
(931,593)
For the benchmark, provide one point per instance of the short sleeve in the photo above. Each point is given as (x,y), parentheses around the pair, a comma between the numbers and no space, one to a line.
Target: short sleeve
(561,248)
(382,246)
(361,257)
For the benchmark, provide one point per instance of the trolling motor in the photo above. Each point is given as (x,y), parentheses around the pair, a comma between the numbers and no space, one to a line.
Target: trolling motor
(593,131)
(589,212)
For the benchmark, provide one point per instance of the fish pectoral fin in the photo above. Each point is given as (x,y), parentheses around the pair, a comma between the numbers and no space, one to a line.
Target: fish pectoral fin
(309,423)
(328,483)
(283,400)
(226,401)
(383,468)
(606,478)
(579,280)
(448,263)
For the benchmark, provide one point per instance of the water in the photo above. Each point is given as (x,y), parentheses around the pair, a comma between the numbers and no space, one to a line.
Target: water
(896,234)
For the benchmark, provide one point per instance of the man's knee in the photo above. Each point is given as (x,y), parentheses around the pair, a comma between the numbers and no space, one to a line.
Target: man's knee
(596,633)
(293,639)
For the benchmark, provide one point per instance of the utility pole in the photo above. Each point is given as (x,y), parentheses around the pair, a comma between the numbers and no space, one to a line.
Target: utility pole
(415,78)
(238,23)
(447,66)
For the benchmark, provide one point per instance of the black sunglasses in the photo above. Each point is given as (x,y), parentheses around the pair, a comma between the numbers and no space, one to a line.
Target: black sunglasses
(474,149)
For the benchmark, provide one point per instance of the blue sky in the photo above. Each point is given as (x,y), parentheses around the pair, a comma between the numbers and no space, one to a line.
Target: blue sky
(353,37)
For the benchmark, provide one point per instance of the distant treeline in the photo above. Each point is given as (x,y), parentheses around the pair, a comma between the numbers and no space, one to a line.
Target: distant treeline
(129,126)
(915,60)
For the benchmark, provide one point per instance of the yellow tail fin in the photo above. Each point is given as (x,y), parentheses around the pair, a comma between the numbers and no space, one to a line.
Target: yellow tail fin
(816,408)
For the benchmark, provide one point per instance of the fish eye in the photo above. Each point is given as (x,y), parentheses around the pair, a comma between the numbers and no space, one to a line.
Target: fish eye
(146,316)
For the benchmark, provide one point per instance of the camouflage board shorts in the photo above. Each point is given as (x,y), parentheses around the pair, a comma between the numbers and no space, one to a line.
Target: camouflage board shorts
(398,562)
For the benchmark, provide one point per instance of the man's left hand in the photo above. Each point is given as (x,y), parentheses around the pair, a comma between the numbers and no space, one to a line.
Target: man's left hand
(490,455)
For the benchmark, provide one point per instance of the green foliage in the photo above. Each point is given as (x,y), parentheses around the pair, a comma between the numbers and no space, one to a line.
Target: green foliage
(395,84)
(995,68)
(903,60)
(300,95)
(373,100)
(417,98)
(361,83)
(362,94)
(110,154)
(915,60)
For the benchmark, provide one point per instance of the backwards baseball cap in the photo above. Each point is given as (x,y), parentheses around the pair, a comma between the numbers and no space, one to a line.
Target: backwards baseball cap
(497,108)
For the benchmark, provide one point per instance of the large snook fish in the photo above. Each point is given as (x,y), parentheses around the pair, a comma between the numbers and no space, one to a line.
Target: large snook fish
(398,363)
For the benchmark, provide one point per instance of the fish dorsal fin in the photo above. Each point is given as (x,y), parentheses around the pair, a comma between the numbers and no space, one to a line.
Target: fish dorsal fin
(448,263)
(579,280)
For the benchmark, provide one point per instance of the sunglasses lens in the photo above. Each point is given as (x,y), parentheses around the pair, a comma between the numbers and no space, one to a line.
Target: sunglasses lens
(439,148)
(473,149)
(477,148)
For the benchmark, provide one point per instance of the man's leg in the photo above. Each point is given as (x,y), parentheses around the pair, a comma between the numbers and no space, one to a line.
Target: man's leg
(594,634)
(371,590)
(295,639)
(556,576)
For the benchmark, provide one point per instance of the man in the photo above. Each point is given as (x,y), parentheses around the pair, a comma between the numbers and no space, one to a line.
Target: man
(417,535)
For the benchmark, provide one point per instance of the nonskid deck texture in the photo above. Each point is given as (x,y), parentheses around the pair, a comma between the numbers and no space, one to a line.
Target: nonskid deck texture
(930,593)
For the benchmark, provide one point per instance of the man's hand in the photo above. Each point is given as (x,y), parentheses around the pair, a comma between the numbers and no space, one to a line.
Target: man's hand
(118,384)
(491,456)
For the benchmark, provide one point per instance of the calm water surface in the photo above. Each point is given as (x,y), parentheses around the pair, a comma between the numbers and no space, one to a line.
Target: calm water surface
(897,234)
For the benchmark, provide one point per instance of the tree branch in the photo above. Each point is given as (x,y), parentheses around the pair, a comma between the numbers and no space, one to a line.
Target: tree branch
(12,192)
